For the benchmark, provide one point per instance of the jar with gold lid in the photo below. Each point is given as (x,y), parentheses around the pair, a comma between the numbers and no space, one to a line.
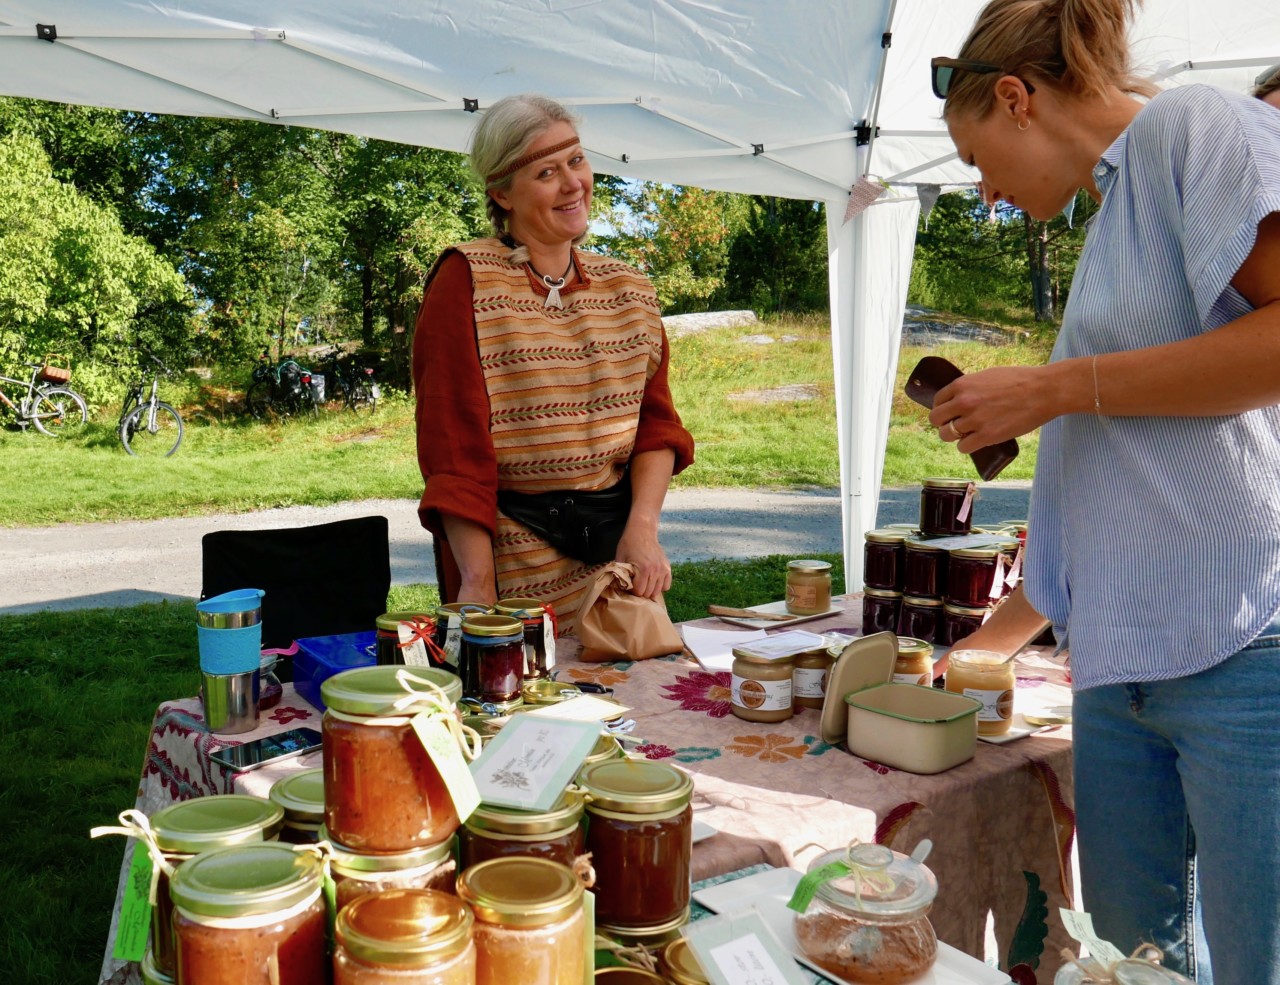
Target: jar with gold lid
(301,797)
(492,667)
(975,575)
(946,506)
(607,747)
(914,664)
(387,634)
(924,569)
(383,792)
(545,691)
(404,937)
(883,556)
(989,677)
(809,677)
(530,925)
(921,618)
(448,619)
(680,964)
(880,611)
(189,827)
(627,975)
(958,621)
(355,875)
(539,635)
(808,587)
(761,689)
(640,834)
(250,915)
(496,832)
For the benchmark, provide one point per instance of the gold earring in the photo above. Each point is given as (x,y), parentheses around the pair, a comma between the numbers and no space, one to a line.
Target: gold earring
(1024,124)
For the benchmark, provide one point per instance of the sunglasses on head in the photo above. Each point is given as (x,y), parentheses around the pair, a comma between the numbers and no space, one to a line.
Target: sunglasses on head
(944,70)
(1268,76)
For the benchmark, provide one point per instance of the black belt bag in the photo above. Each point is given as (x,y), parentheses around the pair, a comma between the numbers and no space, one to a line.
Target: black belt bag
(583,525)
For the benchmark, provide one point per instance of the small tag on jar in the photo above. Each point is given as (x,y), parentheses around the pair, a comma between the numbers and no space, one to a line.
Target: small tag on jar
(135,908)
(962,514)
(412,646)
(809,883)
(549,642)
(443,749)
(997,579)
(453,638)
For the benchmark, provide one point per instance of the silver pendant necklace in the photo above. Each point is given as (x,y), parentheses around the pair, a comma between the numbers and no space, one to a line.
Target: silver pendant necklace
(554,284)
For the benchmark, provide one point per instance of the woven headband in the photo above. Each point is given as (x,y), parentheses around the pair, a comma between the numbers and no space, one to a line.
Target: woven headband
(520,162)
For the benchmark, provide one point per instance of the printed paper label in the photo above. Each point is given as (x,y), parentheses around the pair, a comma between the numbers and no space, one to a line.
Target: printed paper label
(997,706)
(443,749)
(135,908)
(809,682)
(528,764)
(760,695)
(924,680)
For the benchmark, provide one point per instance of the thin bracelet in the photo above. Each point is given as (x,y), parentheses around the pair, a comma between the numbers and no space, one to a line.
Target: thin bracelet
(1097,401)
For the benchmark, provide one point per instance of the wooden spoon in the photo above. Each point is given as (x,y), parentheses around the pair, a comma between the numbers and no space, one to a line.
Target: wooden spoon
(724,610)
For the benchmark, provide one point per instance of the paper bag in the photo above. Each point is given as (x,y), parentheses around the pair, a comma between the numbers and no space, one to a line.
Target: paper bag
(614,624)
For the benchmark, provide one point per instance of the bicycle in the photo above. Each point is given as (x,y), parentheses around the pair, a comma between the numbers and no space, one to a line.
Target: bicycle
(149,428)
(352,382)
(281,390)
(54,410)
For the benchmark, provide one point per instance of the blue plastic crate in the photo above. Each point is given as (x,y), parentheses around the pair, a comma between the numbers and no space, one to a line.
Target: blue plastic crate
(320,657)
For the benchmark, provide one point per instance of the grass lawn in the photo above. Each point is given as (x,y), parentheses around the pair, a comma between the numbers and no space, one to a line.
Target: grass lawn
(239,465)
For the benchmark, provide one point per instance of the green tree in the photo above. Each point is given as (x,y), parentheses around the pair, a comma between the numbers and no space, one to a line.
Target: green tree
(778,258)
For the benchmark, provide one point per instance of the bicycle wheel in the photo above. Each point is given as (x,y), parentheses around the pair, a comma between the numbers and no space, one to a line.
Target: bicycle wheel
(259,400)
(362,398)
(59,411)
(145,436)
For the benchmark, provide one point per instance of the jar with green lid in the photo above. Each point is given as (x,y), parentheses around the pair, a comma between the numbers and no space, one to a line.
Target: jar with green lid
(492,666)
(301,797)
(761,687)
(250,915)
(496,832)
(355,875)
(680,964)
(883,558)
(808,587)
(640,835)
(539,634)
(530,925)
(404,937)
(185,829)
(389,651)
(946,506)
(382,791)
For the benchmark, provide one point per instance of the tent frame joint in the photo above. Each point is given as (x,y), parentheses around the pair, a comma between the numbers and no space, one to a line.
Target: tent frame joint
(863,132)
(47,32)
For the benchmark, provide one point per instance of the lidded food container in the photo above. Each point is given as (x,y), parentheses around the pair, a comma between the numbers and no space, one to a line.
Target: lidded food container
(404,937)
(248,913)
(1142,969)
(539,634)
(921,618)
(189,827)
(382,791)
(761,687)
(958,621)
(496,832)
(883,557)
(925,569)
(530,925)
(301,797)
(151,975)
(640,834)
(448,619)
(871,924)
(808,587)
(976,575)
(492,666)
(355,875)
(946,506)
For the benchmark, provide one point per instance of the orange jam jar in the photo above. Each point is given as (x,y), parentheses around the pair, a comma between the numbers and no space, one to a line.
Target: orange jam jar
(382,792)
(404,937)
(989,677)
(497,832)
(808,587)
(301,797)
(355,875)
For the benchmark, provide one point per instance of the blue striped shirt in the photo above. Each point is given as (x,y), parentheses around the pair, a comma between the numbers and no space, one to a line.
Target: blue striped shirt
(1155,541)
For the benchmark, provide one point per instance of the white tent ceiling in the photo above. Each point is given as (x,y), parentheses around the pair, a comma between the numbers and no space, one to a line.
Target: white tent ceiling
(759,96)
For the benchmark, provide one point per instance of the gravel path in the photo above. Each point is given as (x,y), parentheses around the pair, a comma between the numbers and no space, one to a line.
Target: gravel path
(76,566)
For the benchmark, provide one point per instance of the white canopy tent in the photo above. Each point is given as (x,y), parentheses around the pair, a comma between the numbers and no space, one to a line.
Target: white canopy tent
(757,96)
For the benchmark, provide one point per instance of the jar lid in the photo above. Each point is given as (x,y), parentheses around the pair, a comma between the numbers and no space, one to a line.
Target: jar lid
(492,625)
(921,602)
(606,747)
(880,593)
(886,535)
(247,880)
(390,621)
(405,927)
(967,610)
(911,645)
(545,691)
(373,690)
(636,786)
(520,892)
(301,795)
(814,566)
(882,882)
(521,608)
(980,659)
(564,813)
(861,663)
(353,861)
(919,544)
(221,821)
(943,482)
(982,553)
(464,608)
(750,657)
(681,965)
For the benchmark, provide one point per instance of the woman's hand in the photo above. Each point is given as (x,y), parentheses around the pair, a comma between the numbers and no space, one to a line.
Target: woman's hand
(993,405)
(639,546)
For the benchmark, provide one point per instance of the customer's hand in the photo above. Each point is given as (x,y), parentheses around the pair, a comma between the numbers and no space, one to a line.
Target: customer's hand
(639,546)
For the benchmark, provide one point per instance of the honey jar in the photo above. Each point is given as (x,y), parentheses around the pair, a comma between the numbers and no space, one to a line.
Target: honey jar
(808,587)
(989,677)
(915,662)
(761,689)
(809,677)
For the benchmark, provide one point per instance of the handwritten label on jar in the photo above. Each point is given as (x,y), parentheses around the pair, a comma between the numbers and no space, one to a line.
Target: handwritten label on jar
(809,682)
(761,695)
(997,706)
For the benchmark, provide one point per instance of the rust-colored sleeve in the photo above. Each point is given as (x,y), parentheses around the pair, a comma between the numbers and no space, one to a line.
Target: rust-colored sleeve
(455,448)
(660,425)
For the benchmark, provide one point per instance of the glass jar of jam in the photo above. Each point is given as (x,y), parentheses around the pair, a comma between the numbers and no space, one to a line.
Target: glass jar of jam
(404,937)
(809,678)
(680,965)
(883,558)
(497,832)
(382,791)
(958,621)
(640,834)
(880,611)
(189,827)
(989,677)
(356,875)
(761,688)
(492,665)
(921,619)
(925,569)
(915,662)
(387,636)
(946,507)
(539,635)
(975,575)
(301,797)
(808,587)
(870,925)
(530,925)
(250,915)
(449,628)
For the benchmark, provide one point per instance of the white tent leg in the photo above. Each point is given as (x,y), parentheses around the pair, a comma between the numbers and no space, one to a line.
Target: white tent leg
(870,268)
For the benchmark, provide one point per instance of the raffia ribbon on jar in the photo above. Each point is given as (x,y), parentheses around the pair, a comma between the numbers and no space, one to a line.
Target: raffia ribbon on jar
(135,824)
(423,629)
(1134,969)
(863,864)
(431,700)
(632,957)
(585,871)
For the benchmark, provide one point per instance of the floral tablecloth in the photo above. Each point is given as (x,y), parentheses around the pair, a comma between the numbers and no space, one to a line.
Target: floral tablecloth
(1002,825)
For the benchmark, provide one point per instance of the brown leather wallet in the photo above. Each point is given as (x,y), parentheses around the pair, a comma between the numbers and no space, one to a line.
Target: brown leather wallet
(930,375)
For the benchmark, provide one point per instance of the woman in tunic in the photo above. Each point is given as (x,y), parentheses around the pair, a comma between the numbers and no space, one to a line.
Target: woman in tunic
(541,377)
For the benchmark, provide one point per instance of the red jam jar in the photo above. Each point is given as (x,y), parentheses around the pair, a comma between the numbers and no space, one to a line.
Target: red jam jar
(925,569)
(946,507)
(921,619)
(539,635)
(958,621)
(975,575)
(883,558)
(880,611)
(382,792)
(492,667)
(497,832)
(388,649)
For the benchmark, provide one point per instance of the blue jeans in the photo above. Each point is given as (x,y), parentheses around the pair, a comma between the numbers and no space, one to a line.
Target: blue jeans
(1178,797)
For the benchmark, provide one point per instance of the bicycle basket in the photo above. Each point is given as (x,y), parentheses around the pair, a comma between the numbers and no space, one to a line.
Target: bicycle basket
(54,374)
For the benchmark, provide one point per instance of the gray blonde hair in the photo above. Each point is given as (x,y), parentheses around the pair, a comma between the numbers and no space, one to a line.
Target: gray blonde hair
(504,133)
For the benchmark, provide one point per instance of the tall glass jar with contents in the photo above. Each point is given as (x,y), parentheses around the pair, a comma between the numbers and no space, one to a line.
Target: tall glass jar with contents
(404,937)
(382,791)
(492,666)
(530,925)
(448,619)
(925,569)
(809,679)
(883,558)
(989,677)
(301,797)
(250,915)
(958,621)
(640,834)
(915,662)
(355,875)
(921,618)
(975,575)
(761,687)
(387,635)
(498,832)
(808,587)
(946,507)
(539,635)
(189,827)
(880,611)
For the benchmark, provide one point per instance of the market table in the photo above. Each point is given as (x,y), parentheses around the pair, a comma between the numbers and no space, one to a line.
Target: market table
(1001,824)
